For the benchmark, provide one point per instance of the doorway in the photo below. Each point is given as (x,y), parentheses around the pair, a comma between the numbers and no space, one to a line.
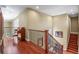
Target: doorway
(73,39)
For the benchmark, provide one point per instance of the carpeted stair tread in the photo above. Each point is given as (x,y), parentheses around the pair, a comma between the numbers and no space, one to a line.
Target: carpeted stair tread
(72,45)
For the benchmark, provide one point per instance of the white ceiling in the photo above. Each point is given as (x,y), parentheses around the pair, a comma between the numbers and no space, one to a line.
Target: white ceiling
(10,12)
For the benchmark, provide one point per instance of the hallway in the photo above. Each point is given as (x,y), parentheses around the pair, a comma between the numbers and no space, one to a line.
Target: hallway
(22,47)
(44,30)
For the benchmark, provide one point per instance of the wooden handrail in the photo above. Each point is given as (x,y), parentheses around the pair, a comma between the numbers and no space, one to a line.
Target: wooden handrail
(55,39)
(10,27)
(27,29)
(36,30)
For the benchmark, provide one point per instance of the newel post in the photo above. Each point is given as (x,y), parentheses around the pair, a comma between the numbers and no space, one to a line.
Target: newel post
(46,41)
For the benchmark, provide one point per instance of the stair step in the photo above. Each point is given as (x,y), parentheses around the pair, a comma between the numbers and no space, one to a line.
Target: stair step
(72,41)
(75,45)
(72,50)
(72,45)
(73,37)
(75,49)
(76,52)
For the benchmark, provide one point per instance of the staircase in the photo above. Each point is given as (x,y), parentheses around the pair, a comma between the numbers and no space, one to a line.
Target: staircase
(73,45)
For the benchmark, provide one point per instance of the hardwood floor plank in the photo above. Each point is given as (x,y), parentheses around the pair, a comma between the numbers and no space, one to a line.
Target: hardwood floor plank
(21,48)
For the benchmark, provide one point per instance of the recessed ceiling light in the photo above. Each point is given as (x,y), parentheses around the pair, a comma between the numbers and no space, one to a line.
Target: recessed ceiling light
(72,10)
(37,7)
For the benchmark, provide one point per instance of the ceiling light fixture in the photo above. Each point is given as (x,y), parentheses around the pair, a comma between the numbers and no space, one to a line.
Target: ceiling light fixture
(72,10)
(37,7)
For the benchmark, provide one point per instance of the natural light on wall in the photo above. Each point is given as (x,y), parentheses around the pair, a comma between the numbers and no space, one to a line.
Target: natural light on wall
(16,23)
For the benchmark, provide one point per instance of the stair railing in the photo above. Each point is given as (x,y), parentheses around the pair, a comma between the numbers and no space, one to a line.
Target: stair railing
(44,40)
(38,37)
(54,47)
(50,44)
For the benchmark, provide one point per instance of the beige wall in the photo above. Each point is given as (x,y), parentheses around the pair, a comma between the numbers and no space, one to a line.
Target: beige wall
(22,17)
(60,23)
(74,24)
(39,21)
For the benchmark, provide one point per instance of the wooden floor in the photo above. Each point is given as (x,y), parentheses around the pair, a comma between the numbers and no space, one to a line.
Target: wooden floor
(22,47)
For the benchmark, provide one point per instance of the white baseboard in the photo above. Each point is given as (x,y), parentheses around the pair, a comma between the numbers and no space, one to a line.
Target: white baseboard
(75,32)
